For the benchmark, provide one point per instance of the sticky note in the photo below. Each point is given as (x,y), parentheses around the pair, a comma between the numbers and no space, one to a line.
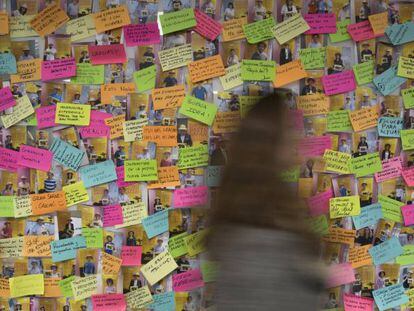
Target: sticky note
(156,223)
(390,127)
(361,31)
(340,274)
(390,169)
(226,122)
(107,54)
(84,287)
(289,73)
(366,164)
(259,31)
(111,18)
(22,206)
(408,97)
(6,99)
(37,245)
(104,302)
(20,27)
(93,237)
(359,256)
(336,161)
(408,214)
(354,303)
(141,170)
(176,21)
(344,206)
(339,235)
(8,64)
(232,78)
(341,31)
(338,121)
(112,215)
(192,196)
(35,158)
(159,267)
(110,264)
(96,174)
(67,248)
(27,70)
(206,68)
(161,135)
(66,287)
(58,69)
(116,125)
(97,126)
(8,159)
(26,285)
(81,28)
(320,23)
(141,34)
(131,255)
(314,104)
(314,146)
(168,97)
(168,176)
(198,109)
(177,246)
(290,28)
(48,202)
(48,20)
(163,301)
(364,72)
(89,74)
(390,296)
(45,116)
(192,156)
(391,209)
(407,139)
(22,110)
(133,213)
(339,83)
(363,119)
(65,154)
(7,206)
(408,175)
(369,216)
(175,57)
(11,247)
(187,281)
(75,193)
(133,129)
(407,257)
(258,70)
(145,78)
(312,58)
(319,203)
(405,67)
(206,26)
(386,251)
(4,23)
(139,298)
(400,33)
(197,242)
(72,114)
(388,81)
(379,22)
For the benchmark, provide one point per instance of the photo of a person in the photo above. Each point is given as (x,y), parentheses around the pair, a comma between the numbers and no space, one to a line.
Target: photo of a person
(260,53)
(232,59)
(288,10)
(366,53)
(183,138)
(364,11)
(315,42)
(6,231)
(131,240)
(309,88)
(286,55)
(109,245)
(89,266)
(386,154)
(50,183)
(364,236)
(170,80)
(229,12)
(260,12)
(110,288)
(365,194)
(380,282)
(135,282)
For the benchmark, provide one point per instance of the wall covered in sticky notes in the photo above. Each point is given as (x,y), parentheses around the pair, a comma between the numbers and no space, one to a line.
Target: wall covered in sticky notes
(115,123)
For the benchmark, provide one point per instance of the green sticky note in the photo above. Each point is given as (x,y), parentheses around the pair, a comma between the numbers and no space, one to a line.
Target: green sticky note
(391,209)
(65,286)
(88,74)
(93,237)
(290,175)
(341,32)
(258,70)
(31,120)
(177,246)
(247,103)
(407,139)
(193,156)
(338,121)
(318,224)
(259,31)
(364,72)
(209,270)
(407,257)
(365,165)
(145,78)
(176,21)
(312,58)
(7,206)
(141,170)
(408,97)
(198,109)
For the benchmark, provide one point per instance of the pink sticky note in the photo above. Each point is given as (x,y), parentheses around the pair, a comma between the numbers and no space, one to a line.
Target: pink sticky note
(8,159)
(121,180)
(6,99)
(131,255)
(108,302)
(206,26)
(107,54)
(320,23)
(187,281)
(112,215)
(361,31)
(40,159)
(296,119)
(58,69)
(45,116)
(340,274)
(390,169)
(192,196)
(408,213)
(408,175)
(358,303)
(97,126)
(319,204)
(142,34)
(314,146)
(339,83)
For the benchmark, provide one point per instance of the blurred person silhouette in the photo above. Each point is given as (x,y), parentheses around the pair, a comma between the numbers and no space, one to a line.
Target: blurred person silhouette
(259,236)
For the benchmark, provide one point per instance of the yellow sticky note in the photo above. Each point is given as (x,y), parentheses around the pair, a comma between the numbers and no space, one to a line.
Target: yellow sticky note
(73,114)
(111,19)
(159,267)
(20,27)
(232,78)
(11,247)
(75,193)
(196,242)
(290,28)
(22,110)
(27,70)
(405,67)
(344,206)
(133,213)
(175,57)
(22,206)
(26,285)
(81,28)
(313,104)
(336,161)
(85,287)
(133,129)
(139,298)
(379,22)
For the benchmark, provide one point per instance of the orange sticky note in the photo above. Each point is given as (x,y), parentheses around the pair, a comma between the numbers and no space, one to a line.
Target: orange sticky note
(168,97)
(4,288)
(48,20)
(206,68)
(45,203)
(359,256)
(110,264)
(363,119)
(233,29)
(111,19)
(37,246)
(117,126)
(379,22)
(28,70)
(313,104)
(163,136)
(4,23)
(52,288)
(289,73)
(226,122)
(167,177)
(109,91)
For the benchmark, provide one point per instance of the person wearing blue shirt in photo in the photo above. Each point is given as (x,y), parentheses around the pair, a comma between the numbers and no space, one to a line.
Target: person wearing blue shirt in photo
(109,246)
(199,92)
(89,266)
(119,156)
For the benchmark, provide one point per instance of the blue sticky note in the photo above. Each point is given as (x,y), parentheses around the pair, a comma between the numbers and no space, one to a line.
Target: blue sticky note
(390,296)
(66,249)
(66,154)
(388,81)
(390,126)
(156,224)
(386,251)
(214,174)
(163,302)
(369,216)
(7,63)
(97,174)
(400,33)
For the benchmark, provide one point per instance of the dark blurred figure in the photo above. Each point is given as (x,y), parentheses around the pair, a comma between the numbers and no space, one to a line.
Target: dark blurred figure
(267,256)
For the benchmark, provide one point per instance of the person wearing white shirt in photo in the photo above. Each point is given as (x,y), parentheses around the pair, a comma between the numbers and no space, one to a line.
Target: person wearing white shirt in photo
(259,11)
(35,268)
(232,59)
(122,196)
(175,40)
(50,52)
(315,42)
(26,55)
(229,12)
(344,147)
(288,10)
(73,9)
(145,155)
(39,228)
(159,248)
